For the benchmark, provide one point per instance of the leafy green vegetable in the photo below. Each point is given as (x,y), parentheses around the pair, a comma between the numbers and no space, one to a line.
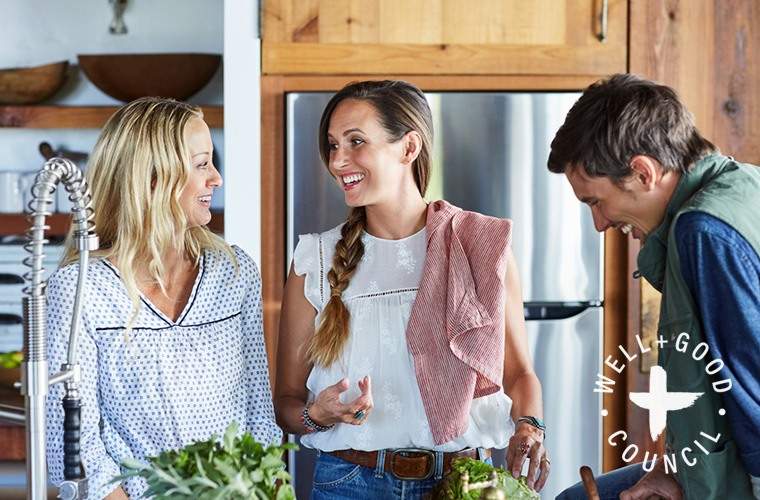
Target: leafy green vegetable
(11,359)
(451,486)
(236,468)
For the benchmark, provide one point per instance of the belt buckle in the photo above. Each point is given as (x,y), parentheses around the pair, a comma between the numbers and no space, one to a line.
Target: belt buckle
(428,453)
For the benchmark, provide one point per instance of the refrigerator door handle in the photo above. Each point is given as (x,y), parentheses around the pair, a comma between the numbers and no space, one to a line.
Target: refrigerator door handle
(11,279)
(536,311)
(10,319)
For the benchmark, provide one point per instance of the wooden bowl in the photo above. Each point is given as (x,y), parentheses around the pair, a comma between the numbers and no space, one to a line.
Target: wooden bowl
(31,85)
(127,77)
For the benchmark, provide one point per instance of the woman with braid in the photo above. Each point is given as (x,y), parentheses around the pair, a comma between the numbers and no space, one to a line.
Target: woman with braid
(402,341)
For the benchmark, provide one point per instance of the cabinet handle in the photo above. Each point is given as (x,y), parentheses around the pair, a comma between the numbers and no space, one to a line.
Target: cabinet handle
(603,18)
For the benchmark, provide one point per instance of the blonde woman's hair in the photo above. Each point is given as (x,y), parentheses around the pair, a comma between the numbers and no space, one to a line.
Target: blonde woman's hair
(401,108)
(136,173)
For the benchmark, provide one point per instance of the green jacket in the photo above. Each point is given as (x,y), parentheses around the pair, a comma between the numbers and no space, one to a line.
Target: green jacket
(729,191)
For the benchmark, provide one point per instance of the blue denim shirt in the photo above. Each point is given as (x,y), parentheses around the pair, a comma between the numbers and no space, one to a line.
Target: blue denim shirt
(722,272)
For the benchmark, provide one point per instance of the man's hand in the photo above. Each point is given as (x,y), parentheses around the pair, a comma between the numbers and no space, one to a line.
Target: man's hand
(655,483)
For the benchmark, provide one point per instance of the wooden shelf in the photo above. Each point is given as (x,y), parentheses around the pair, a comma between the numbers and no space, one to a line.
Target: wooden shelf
(17,224)
(78,117)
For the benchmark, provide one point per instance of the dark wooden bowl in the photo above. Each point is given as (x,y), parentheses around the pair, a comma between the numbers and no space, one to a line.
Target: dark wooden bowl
(31,85)
(127,77)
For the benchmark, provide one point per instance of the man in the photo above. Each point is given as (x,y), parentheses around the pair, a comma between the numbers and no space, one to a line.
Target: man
(631,152)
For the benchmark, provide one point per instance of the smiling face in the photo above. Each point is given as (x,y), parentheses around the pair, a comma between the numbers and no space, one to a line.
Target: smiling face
(202,178)
(637,206)
(366,165)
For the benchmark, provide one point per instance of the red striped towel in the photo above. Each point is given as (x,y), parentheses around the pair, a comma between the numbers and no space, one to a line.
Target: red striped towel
(456,328)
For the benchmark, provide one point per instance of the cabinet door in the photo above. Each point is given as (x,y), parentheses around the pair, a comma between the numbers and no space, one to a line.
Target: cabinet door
(444,36)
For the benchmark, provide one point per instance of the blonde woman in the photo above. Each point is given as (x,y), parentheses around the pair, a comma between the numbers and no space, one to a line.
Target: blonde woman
(172,348)
(402,340)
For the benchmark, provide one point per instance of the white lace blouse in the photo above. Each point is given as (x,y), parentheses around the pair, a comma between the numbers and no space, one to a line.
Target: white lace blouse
(379,298)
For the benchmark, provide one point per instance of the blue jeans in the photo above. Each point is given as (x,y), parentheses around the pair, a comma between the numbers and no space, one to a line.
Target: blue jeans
(610,484)
(337,479)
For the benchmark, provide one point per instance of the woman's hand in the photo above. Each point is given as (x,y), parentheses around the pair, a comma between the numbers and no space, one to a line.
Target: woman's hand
(327,408)
(528,442)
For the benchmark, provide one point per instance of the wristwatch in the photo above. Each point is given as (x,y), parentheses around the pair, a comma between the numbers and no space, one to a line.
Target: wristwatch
(534,421)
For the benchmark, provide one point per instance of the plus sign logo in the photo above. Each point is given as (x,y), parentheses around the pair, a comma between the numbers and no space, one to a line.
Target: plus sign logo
(658,401)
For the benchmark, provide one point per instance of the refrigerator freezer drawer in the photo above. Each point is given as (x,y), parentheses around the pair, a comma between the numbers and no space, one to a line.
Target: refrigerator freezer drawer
(567,355)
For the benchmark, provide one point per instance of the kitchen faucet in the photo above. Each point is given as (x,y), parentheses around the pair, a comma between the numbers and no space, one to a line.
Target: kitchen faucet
(35,379)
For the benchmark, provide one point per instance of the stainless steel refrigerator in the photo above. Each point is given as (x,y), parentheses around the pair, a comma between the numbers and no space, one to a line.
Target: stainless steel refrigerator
(490,156)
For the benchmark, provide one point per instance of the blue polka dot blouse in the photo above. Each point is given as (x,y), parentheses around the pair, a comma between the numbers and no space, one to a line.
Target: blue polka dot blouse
(166,383)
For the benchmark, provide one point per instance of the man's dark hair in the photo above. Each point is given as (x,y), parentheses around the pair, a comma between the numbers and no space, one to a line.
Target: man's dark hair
(619,118)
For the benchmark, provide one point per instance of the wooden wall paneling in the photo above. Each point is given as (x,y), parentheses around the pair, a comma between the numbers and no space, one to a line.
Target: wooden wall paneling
(272,210)
(736,80)
(617,304)
(672,42)
(705,50)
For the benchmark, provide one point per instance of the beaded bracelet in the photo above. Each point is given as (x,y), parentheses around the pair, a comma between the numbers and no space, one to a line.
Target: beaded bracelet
(310,425)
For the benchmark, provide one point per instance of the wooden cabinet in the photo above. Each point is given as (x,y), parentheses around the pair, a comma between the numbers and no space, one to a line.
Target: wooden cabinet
(560,37)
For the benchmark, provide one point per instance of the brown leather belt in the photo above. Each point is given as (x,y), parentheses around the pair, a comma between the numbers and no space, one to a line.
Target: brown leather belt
(407,463)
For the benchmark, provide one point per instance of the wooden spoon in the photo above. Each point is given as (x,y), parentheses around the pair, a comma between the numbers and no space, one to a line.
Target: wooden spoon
(587,476)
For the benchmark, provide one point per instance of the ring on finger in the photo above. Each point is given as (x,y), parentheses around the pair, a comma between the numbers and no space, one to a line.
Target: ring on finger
(548,462)
(359,415)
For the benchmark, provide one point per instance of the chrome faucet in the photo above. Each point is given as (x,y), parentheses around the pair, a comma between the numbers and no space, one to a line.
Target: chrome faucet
(35,380)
